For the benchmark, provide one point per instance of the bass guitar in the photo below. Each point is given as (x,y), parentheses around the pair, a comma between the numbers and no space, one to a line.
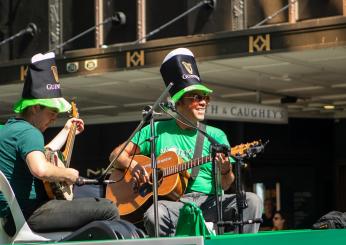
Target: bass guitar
(61,190)
(172,181)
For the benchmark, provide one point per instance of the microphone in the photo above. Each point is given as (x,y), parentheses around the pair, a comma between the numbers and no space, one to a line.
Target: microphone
(169,105)
(146,110)
(253,221)
(119,18)
(210,3)
(83,181)
(31,29)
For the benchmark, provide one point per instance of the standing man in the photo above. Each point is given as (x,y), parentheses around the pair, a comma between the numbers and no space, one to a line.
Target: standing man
(24,164)
(191,98)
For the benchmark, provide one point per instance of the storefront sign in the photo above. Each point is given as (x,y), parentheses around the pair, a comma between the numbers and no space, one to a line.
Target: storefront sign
(246,112)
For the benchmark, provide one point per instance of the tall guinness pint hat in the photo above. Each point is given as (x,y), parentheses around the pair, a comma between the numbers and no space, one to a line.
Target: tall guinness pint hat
(42,85)
(179,67)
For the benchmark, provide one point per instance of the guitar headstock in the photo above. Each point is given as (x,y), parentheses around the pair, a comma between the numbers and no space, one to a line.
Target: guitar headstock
(248,149)
(74,110)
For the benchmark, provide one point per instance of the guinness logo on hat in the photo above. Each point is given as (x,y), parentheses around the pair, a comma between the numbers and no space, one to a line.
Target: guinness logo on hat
(55,73)
(179,67)
(187,66)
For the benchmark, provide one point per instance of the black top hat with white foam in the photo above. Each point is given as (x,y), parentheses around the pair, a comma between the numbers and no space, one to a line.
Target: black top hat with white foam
(179,67)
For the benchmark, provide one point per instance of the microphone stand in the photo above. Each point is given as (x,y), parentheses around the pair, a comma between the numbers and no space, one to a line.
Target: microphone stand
(148,116)
(240,199)
(29,29)
(240,194)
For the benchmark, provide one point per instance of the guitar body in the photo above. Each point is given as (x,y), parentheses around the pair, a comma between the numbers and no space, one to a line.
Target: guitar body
(132,205)
(172,180)
(57,190)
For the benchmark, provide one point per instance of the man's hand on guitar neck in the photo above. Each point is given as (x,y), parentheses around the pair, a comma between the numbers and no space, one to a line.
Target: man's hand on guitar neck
(75,121)
(60,139)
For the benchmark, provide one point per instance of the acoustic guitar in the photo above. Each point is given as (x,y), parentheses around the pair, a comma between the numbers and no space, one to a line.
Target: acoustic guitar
(172,181)
(62,190)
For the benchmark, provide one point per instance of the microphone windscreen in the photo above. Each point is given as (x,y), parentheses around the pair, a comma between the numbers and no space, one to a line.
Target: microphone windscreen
(119,18)
(32,29)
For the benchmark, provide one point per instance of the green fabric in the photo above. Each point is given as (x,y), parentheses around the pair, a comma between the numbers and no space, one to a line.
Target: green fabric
(191,221)
(17,139)
(289,237)
(59,104)
(172,138)
(199,87)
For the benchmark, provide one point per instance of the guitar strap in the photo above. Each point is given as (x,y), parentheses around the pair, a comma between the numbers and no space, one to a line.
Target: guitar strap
(198,149)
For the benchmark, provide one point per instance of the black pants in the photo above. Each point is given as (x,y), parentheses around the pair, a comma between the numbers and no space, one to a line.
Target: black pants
(62,215)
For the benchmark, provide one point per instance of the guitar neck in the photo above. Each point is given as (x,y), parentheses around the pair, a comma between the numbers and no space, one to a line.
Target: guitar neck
(178,168)
(69,145)
(239,150)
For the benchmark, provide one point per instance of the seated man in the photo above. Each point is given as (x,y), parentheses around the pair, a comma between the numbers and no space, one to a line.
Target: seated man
(191,98)
(24,164)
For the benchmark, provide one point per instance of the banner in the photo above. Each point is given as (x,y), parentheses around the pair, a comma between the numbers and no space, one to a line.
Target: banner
(246,112)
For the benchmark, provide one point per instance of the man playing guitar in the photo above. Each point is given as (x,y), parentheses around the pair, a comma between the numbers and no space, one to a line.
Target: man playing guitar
(191,99)
(24,164)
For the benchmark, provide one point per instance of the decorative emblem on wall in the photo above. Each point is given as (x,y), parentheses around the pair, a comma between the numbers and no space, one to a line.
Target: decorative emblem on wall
(259,43)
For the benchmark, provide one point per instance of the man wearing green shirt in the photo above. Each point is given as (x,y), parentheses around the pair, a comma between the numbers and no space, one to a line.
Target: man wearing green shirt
(191,98)
(23,162)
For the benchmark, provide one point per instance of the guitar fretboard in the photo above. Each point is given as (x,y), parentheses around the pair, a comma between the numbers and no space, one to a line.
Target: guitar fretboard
(185,166)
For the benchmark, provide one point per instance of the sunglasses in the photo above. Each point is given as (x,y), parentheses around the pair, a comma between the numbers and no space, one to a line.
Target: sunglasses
(198,98)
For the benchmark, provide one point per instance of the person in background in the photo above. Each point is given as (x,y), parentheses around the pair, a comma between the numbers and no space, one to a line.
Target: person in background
(267,216)
(279,221)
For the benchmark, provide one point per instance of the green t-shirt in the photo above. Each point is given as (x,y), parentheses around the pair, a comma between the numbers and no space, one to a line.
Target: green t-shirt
(17,139)
(170,137)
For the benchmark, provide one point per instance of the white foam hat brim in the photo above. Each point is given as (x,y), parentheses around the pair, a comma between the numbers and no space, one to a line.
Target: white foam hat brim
(40,57)
(178,51)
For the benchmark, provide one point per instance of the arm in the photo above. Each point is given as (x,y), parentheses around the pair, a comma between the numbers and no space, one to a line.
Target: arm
(125,160)
(44,170)
(60,139)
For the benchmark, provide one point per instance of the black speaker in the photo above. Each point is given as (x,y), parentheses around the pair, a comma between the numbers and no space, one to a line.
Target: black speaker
(105,230)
